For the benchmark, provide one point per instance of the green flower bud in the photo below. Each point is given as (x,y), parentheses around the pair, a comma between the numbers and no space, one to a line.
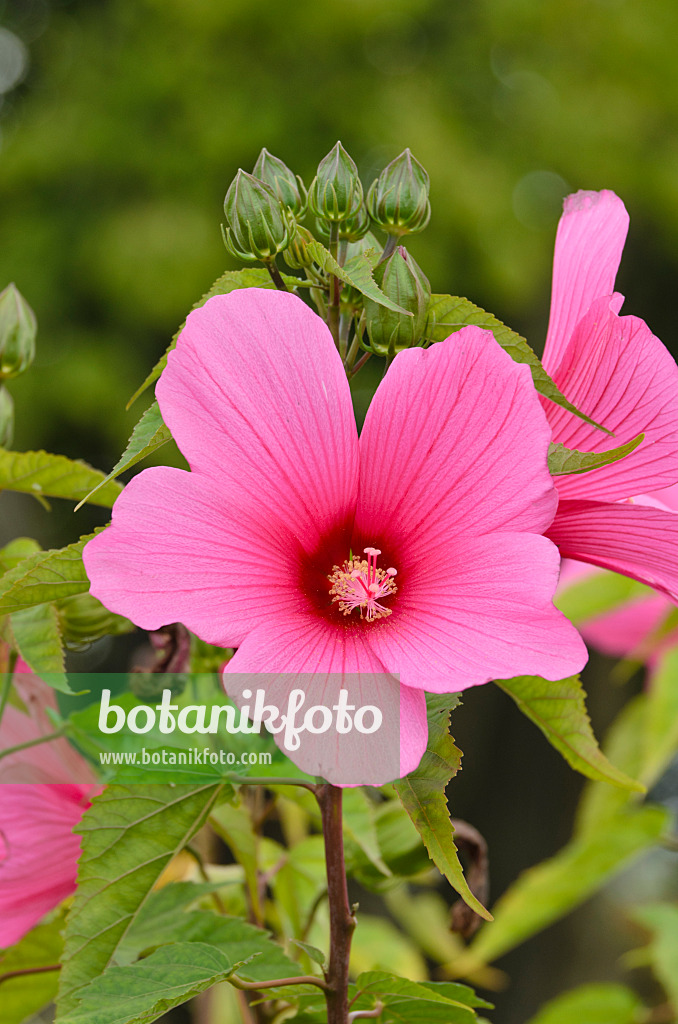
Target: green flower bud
(289,188)
(83,620)
(258,225)
(296,255)
(6,418)
(398,200)
(403,281)
(336,192)
(18,329)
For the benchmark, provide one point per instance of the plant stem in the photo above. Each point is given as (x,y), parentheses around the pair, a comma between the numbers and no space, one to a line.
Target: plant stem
(342,921)
(34,743)
(276,276)
(254,986)
(29,970)
(7,682)
(335,287)
(389,248)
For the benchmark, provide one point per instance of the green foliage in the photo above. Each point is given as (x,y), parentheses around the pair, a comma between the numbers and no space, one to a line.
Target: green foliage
(44,576)
(544,893)
(661,919)
(356,272)
(37,635)
(25,995)
(142,992)
(149,434)
(559,710)
(563,461)
(660,732)
(449,313)
(129,835)
(423,795)
(593,1004)
(55,476)
(412,1002)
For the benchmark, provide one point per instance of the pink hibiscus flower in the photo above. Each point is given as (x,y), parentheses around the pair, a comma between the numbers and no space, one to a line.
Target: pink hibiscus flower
(44,792)
(614,369)
(283,538)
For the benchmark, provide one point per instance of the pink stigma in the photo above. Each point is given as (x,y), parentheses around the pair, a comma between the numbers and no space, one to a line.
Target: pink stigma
(360,584)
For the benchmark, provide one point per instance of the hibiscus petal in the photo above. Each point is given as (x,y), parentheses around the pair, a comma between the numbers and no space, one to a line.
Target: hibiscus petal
(637,541)
(454,441)
(589,243)
(321,658)
(179,549)
(620,374)
(256,398)
(38,853)
(624,631)
(485,612)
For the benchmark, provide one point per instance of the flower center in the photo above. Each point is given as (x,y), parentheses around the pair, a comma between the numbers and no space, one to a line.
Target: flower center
(358,583)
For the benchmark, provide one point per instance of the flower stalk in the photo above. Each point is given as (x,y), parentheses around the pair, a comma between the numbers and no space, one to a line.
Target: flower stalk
(342,920)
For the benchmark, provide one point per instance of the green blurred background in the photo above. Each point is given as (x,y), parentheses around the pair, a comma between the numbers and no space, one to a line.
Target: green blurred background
(122,124)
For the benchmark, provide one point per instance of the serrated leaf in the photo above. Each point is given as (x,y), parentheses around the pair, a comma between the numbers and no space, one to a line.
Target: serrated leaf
(45,576)
(38,639)
(593,1004)
(55,476)
(550,890)
(356,272)
(25,995)
(411,1002)
(129,835)
(231,281)
(423,795)
(449,313)
(559,710)
(566,461)
(149,434)
(313,952)
(238,939)
(662,920)
(144,991)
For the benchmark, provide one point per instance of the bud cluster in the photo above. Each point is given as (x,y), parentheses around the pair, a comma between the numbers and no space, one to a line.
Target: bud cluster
(18,329)
(263,214)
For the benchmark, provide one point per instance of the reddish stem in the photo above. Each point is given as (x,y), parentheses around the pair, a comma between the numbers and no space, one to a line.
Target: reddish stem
(342,921)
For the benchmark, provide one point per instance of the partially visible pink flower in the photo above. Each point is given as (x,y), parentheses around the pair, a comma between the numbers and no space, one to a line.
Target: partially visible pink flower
(252,548)
(616,371)
(44,792)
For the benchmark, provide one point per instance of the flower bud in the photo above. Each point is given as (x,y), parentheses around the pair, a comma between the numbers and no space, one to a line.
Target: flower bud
(18,329)
(6,418)
(83,620)
(289,188)
(296,255)
(404,282)
(398,200)
(257,224)
(336,192)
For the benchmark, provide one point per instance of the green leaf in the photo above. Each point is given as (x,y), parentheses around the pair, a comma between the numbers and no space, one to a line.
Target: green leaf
(45,576)
(423,795)
(356,272)
(144,991)
(412,1002)
(23,996)
(38,638)
(129,836)
(660,733)
(149,434)
(559,710)
(596,594)
(232,280)
(55,476)
(553,888)
(313,952)
(662,920)
(361,826)
(449,313)
(564,461)
(593,1004)
(16,551)
(238,939)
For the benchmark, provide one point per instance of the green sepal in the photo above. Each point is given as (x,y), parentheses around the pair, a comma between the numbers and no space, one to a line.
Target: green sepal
(565,461)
